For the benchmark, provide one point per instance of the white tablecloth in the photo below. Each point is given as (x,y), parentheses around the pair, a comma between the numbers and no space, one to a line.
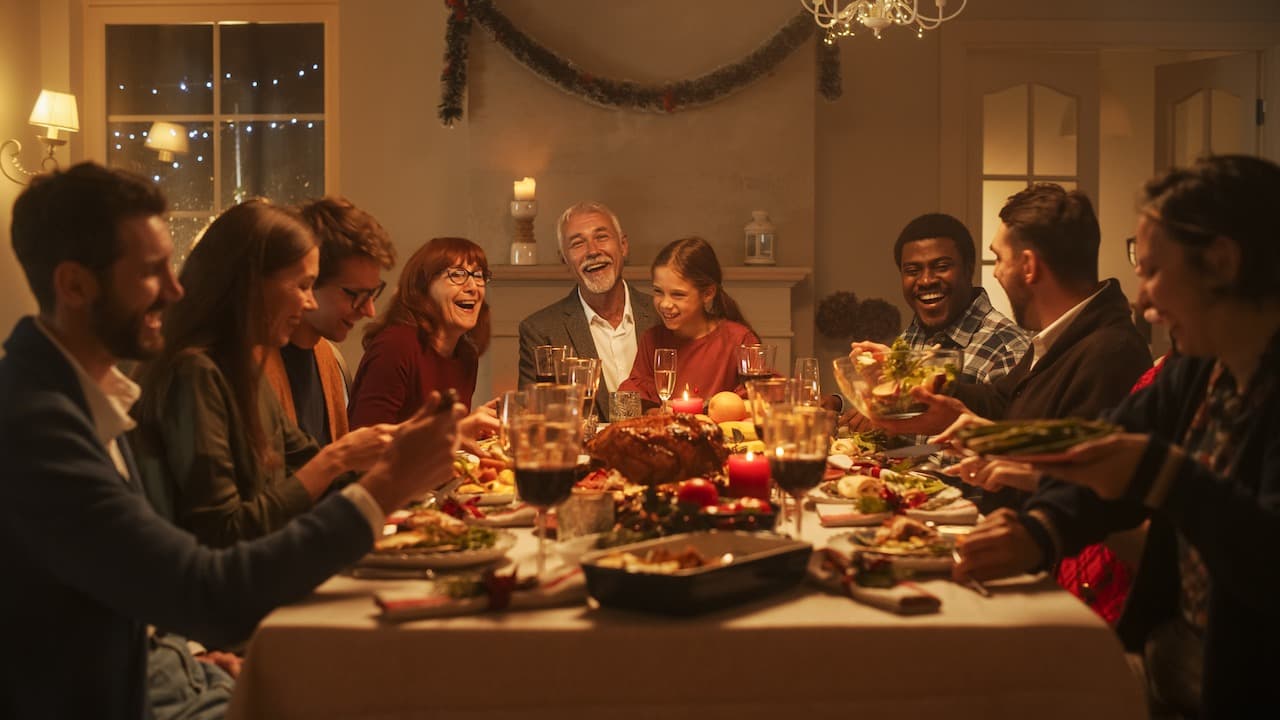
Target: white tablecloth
(1032,650)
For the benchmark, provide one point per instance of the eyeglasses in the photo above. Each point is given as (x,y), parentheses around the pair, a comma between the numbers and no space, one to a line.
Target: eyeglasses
(1131,247)
(360,297)
(458,276)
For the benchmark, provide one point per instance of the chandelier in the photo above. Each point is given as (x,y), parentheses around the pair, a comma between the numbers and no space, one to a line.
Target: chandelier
(838,17)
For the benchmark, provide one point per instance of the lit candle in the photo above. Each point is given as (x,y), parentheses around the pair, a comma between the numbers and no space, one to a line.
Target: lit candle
(686,404)
(523,189)
(749,476)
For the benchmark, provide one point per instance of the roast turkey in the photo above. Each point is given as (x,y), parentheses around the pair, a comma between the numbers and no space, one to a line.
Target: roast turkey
(657,449)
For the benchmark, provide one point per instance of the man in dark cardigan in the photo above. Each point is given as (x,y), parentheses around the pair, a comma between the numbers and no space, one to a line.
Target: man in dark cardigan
(1085,354)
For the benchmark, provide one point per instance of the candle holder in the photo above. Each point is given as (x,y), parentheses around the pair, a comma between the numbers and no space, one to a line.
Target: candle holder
(524,249)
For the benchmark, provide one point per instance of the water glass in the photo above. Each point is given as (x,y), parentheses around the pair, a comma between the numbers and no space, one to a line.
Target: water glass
(624,405)
(755,362)
(544,361)
(808,381)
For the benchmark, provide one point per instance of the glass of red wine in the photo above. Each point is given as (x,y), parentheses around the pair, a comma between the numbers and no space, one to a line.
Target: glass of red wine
(797,439)
(546,440)
(545,358)
(755,362)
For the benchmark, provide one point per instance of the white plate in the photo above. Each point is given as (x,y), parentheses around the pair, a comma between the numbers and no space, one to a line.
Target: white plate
(839,460)
(486,499)
(845,544)
(835,515)
(429,560)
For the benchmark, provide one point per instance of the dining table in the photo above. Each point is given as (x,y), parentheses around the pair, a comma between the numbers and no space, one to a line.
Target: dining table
(1030,649)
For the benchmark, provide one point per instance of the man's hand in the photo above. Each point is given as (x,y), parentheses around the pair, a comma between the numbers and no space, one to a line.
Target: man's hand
(1105,465)
(420,458)
(940,412)
(998,547)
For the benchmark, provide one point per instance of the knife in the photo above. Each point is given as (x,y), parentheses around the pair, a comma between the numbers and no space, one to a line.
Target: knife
(914,451)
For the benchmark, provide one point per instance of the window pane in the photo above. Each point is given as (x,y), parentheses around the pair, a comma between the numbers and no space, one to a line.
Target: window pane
(159,69)
(1224,122)
(272,68)
(1004,132)
(283,161)
(994,195)
(185,230)
(999,300)
(1188,130)
(1056,121)
(187,179)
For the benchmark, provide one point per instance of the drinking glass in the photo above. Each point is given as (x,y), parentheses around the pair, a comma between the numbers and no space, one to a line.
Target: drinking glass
(624,405)
(762,397)
(563,363)
(808,381)
(664,373)
(755,362)
(796,439)
(585,373)
(546,441)
(512,404)
(544,362)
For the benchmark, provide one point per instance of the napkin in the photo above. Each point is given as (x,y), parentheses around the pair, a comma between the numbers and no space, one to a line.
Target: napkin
(833,572)
(501,593)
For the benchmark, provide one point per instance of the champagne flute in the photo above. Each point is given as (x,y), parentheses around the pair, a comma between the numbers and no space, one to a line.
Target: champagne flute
(796,439)
(664,373)
(563,362)
(547,440)
(808,381)
(512,405)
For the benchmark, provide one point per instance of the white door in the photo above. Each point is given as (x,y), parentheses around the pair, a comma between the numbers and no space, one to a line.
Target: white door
(1207,106)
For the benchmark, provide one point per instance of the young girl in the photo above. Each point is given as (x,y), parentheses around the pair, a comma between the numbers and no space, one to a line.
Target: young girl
(699,320)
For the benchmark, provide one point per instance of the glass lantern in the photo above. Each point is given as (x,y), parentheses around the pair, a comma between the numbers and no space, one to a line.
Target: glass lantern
(760,239)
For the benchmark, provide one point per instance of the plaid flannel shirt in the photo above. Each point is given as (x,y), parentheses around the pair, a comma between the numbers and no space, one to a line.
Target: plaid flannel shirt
(991,343)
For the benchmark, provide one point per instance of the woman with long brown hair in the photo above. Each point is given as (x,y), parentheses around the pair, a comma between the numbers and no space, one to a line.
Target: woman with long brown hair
(431,337)
(699,320)
(215,449)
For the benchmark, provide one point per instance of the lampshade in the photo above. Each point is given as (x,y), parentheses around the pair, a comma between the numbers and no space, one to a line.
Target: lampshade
(55,111)
(167,138)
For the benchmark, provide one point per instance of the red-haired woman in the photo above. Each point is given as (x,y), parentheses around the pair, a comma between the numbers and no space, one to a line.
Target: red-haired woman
(699,320)
(430,338)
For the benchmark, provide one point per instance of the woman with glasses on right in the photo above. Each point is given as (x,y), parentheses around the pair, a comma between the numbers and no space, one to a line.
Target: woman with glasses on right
(430,337)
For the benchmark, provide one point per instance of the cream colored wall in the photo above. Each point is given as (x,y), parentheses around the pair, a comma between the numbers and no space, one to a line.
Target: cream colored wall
(19,87)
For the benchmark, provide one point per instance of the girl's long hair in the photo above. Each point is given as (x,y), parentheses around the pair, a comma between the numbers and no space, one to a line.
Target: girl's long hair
(695,260)
(412,303)
(222,313)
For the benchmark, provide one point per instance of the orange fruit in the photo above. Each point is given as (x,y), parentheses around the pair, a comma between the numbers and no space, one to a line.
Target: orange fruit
(726,407)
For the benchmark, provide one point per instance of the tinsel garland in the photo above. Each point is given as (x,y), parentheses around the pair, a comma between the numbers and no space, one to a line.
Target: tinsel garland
(607,92)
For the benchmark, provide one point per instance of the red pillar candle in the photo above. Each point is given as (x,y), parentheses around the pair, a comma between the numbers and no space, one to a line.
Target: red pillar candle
(749,476)
(686,404)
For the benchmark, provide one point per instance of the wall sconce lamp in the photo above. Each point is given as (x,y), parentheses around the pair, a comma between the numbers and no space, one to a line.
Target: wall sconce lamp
(167,139)
(56,113)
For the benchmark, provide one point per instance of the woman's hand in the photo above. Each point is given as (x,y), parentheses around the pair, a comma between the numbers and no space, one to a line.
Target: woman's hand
(995,474)
(998,547)
(480,424)
(1105,465)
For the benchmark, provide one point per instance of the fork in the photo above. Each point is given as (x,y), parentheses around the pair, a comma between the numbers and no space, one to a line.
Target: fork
(972,584)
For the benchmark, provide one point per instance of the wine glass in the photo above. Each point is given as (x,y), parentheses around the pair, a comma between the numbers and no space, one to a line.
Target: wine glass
(796,439)
(585,373)
(762,396)
(808,381)
(544,362)
(664,373)
(755,362)
(546,441)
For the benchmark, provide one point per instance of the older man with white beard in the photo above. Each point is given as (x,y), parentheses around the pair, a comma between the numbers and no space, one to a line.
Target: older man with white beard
(602,316)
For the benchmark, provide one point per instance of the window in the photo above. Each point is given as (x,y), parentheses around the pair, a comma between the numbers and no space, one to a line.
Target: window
(214,109)
(1029,135)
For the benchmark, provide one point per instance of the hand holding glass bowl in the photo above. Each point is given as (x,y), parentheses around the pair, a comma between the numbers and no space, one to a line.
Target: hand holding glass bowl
(880,383)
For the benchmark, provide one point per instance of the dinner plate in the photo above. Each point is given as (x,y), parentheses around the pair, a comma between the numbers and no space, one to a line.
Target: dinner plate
(820,496)
(428,559)
(862,540)
(487,499)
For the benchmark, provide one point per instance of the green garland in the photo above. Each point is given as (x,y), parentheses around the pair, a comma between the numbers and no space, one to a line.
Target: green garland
(607,92)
